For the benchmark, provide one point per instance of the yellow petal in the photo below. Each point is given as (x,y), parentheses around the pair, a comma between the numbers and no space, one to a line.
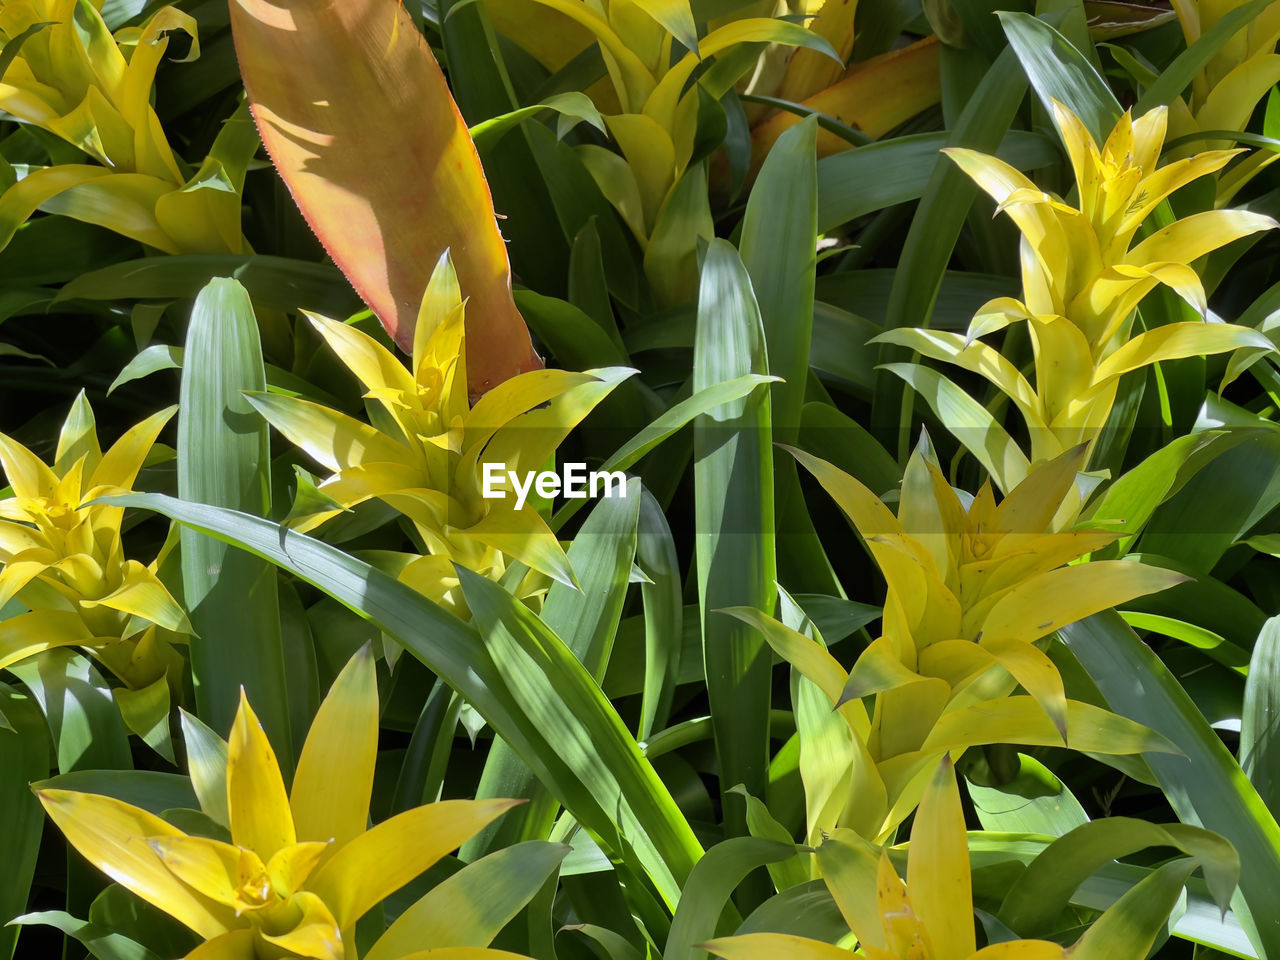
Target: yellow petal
(1036,672)
(330,438)
(1050,601)
(906,936)
(439,304)
(29,476)
(291,866)
(938,868)
(212,868)
(27,634)
(1192,237)
(373,364)
(143,595)
(120,464)
(850,866)
(112,835)
(331,789)
(257,805)
(316,934)
(1175,340)
(381,861)
(1030,507)
(234,945)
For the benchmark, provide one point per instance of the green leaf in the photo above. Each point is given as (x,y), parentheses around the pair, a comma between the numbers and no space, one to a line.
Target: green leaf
(100,941)
(706,895)
(734,537)
(470,908)
(1058,71)
(151,790)
(83,719)
(667,423)
(935,228)
(224,459)
(275,283)
(207,767)
(159,356)
(1205,787)
(1259,746)
(856,182)
(1045,888)
(643,814)
(1033,801)
(24,757)
(573,108)
(663,615)
(586,619)
(1133,922)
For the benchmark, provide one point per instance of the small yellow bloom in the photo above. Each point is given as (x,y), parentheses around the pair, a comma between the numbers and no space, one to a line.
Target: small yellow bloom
(301,867)
(1082,279)
(971,588)
(65,562)
(425,451)
(73,78)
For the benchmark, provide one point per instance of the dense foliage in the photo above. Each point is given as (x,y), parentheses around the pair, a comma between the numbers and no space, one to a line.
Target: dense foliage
(916,362)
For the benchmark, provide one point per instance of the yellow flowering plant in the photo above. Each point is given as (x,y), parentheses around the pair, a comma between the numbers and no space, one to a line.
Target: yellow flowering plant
(929,915)
(302,865)
(63,560)
(72,77)
(1227,89)
(972,589)
(425,449)
(1082,280)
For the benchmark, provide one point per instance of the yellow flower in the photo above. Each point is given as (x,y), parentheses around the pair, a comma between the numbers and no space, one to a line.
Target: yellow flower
(1083,277)
(65,561)
(424,455)
(70,76)
(301,868)
(971,588)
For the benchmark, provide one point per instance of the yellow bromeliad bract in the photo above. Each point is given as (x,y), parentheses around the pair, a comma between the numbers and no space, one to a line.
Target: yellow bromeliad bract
(63,559)
(1082,279)
(72,77)
(971,588)
(424,455)
(301,867)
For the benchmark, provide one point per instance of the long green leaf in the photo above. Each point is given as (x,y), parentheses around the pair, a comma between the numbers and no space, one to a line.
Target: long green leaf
(609,788)
(1259,743)
(1058,71)
(935,229)
(224,460)
(733,492)
(23,758)
(1206,787)
(586,619)
(856,182)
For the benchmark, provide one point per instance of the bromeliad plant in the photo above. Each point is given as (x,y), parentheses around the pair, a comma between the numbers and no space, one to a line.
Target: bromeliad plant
(972,586)
(930,916)
(1082,280)
(65,564)
(301,866)
(425,453)
(70,76)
